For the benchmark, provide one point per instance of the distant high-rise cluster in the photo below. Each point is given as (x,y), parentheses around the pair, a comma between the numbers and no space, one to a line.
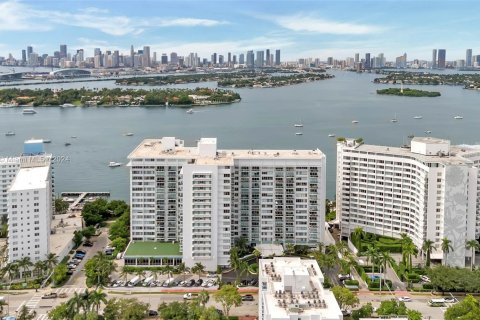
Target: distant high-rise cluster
(140,58)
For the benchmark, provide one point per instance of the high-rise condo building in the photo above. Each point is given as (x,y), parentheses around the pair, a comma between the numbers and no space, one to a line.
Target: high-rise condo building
(146,57)
(442,53)
(357,57)
(241,58)
(221,59)
(250,59)
(63,51)
(173,58)
(259,62)
(206,198)
(292,288)
(24,56)
(164,58)
(427,191)
(468,60)
(229,58)
(277,57)
(434,59)
(214,58)
(367,61)
(8,170)
(29,51)
(267,58)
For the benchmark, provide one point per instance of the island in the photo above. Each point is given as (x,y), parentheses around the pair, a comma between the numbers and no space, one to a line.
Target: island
(468,81)
(118,97)
(407,92)
(239,79)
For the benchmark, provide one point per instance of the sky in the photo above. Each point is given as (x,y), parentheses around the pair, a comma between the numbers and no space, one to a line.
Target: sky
(300,29)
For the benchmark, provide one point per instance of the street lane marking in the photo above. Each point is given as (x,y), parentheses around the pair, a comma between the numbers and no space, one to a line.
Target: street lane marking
(20,306)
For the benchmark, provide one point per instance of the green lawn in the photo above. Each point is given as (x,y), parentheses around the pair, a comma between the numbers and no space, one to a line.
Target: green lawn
(153,249)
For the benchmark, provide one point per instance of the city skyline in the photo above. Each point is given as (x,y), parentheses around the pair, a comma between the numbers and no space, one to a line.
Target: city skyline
(336,29)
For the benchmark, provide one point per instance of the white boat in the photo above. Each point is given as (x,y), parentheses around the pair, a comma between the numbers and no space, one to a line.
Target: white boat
(10,133)
(6,105)
(29,111)
(47,141)
(68,105)
(458,117)
(73,137)
(190,111)
(331,135)
(113,164)
(428,131)
(355,121)
(418,117)
(128,134)
(394,120)
(298,125)
(299,133)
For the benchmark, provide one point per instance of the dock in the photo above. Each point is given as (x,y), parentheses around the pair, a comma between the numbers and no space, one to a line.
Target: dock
(79,198)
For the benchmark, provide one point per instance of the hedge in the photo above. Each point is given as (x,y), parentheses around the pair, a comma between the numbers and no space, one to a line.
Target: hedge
(351,282)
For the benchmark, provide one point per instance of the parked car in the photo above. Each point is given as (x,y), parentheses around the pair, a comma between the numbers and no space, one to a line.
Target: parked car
(198,283)
(70,272)
(450,300)
(342,277)
(191,283)
(88,244)
(405,299)
(189,296)
(62,295)
(248,297)
(152,313)
(51,295)
(425,278)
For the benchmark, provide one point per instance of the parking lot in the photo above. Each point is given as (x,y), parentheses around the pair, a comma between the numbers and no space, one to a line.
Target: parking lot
(166,281)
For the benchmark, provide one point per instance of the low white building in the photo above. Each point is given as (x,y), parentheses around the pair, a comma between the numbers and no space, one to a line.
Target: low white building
(292,289)
(30,209)
(427,190)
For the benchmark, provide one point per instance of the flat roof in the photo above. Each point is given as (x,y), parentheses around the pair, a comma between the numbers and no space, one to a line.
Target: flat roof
(452,159)
(153,249)
(431,140)
(30,178)
(152,148)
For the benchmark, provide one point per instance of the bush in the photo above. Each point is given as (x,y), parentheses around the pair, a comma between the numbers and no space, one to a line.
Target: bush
(351,282)
(427,286)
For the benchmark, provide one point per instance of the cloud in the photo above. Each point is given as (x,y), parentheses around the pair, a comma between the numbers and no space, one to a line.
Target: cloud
(309,23)
(18,16)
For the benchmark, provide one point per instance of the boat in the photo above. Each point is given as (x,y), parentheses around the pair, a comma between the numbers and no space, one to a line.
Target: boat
(299,133)
(113,164)
(411,136)
(428,131)
(298,125)
(29,111)
(331,135)
(6,105)
(128,134)
(190,111)
(458,117)
(47,141)
(394,120)
(68,105)
(73,137)
(10,133)
(355,121)
(67,144)
(418,117)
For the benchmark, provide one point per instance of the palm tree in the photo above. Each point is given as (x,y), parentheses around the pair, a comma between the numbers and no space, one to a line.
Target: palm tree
(25,263)
(409,249)
(405,240)
(168,269)
(154,273)
(383,259)
(473,246)
(11,270)
(372,255)
(427,248)
(198,268)
(289,249)
(25,314)
(342,247)
(446,248)
(203,297)
(124,274)
(39,267)
(51,261)
(75,303)
(257,253)
(96,298)
(181,268)
(358,234)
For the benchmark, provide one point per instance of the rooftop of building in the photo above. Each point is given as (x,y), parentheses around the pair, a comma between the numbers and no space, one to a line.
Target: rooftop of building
(152,249)
(430,140)
(295,287)
(30,178)
(63,226)
(156,149)
(452,158)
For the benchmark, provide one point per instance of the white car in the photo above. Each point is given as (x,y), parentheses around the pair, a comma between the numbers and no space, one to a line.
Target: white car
(405,299)
(450,300)
(425,278)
